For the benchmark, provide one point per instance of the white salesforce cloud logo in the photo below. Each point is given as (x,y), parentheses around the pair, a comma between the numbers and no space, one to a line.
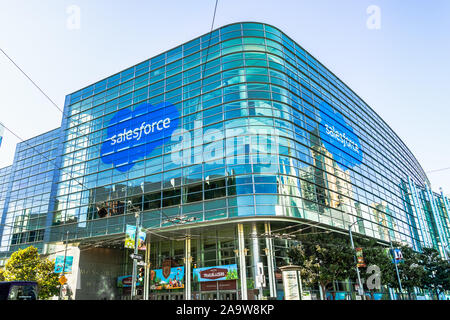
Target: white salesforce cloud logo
(145,129)
(338,137)
(342,138)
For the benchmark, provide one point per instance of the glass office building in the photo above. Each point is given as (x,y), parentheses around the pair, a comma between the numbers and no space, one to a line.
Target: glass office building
(219,143)
(26,188)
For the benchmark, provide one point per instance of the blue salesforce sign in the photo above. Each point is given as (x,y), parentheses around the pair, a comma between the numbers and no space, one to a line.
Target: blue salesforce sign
(338,137)
(134,134)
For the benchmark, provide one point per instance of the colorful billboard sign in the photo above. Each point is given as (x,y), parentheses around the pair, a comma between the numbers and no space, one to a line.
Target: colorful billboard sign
(59,264)
(173,278)
(130,234)
(338,137)
(126,281)
(134,134)
(218,273)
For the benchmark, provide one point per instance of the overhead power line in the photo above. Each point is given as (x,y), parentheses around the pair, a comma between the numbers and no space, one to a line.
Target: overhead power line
(31,80)
(442,169)
(62,111)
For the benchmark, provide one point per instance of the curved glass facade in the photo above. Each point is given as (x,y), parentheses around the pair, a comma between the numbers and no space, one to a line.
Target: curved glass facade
(241,124)
(267,126)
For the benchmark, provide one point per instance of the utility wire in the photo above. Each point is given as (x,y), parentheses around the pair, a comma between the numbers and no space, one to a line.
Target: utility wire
(54,104)
(61,110)
(41,154)
(31,80)
(442,169)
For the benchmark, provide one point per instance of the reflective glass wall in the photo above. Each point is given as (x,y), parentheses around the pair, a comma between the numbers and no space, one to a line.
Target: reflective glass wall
(5,174)
(27,200)
(263,129)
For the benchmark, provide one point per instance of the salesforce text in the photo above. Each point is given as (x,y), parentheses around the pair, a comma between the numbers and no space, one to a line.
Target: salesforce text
(145,128)
(347,142)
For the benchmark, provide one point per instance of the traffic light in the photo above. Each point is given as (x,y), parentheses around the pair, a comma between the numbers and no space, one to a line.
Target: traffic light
(141,274)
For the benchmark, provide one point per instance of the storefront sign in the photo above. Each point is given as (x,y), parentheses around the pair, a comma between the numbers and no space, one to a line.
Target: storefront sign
(218,285)
(126,281)
(59,264)
(173,280)
(134,134)
(226,272)
(338,137)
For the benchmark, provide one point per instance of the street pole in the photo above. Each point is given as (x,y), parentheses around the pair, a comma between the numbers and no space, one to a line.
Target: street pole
(395,262)
(64,265)
(396,269)
(187,268)
(147,269)
(136,239)
(354,256)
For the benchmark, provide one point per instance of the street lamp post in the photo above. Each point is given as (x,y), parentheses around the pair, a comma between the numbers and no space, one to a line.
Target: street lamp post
(354,252)
(136,239)
(396,268)
(64,265)
(395,262)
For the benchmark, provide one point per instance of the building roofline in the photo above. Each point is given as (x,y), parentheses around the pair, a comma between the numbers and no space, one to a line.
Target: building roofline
(318,61)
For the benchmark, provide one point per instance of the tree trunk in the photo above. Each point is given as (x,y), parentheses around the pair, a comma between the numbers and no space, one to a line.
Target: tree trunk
(437,294)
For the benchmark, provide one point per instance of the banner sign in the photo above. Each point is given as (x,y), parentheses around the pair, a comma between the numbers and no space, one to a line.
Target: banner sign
(338,137)
(360,259)
(59,264)
(134,134)
(130,234)
(396,255)
(291,285)
(218,273)
(168,280)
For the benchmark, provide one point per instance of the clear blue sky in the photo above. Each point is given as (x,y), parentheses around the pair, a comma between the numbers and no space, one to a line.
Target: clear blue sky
(401,70)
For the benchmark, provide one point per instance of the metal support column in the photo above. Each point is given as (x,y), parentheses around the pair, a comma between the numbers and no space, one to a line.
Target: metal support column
(270,268)
(256,254)
(136,240)
(242,266)
(187,269)
(361,288)
(64,265)
(147,268)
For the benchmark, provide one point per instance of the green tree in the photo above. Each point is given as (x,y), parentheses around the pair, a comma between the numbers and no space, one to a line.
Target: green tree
(324,259)
(2,276)
(47,279)
(26,265)
(437,271)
